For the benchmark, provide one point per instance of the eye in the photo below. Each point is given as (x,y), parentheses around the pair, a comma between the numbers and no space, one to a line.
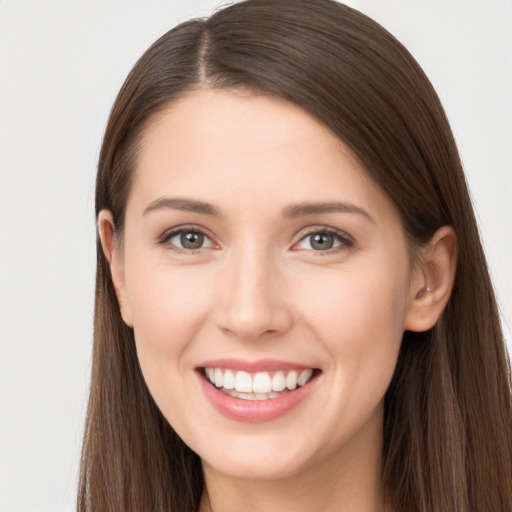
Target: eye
(323,241)
(187,239)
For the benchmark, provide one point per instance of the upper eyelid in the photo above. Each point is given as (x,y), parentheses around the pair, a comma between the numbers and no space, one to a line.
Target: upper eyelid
(169,233)
(324,229)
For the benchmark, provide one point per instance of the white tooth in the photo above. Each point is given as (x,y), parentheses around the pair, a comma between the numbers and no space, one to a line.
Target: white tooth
(243,382)
(278,381)
(218,377)
(262,383)
(291,380)
(304,376)
(229,380)
(210,372)
(253,396)
(247,396)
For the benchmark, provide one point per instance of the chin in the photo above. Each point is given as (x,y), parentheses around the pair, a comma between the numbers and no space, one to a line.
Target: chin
(258,457)
(256,468)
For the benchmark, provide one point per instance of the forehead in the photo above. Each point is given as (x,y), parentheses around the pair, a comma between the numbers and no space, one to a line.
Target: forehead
(237,148)
(231,122)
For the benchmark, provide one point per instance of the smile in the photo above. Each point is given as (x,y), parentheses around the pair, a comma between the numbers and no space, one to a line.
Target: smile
(257,386)
(256,391)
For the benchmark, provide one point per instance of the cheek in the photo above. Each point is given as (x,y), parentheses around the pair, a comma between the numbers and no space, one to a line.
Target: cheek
(169,308)
(167,304)
(359,319)
(365,303)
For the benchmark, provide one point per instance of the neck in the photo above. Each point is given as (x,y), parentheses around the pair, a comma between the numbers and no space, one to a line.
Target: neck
(347,481)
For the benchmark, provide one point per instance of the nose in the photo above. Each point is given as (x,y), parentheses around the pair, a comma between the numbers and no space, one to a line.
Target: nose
(252,301)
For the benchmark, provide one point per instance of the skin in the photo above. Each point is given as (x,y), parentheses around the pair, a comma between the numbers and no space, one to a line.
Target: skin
(259,289)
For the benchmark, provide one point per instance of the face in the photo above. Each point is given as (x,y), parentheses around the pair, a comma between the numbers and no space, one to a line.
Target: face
(268,283)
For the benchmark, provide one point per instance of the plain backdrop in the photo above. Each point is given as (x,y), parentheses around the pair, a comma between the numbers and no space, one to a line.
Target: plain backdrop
(61,65)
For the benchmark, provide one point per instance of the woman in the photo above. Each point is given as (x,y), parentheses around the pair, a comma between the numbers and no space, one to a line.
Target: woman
(293,310)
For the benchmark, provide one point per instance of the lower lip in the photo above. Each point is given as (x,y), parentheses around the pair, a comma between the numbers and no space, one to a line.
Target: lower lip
(254,411)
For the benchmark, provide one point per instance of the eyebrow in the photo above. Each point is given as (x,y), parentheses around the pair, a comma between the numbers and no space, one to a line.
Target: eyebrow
(303,209)
(290,212)
(186,205)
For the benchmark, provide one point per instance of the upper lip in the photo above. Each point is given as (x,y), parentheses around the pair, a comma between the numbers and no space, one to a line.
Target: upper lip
(259,365)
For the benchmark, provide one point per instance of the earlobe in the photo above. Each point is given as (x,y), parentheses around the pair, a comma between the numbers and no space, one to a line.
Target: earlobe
(432,283)
(106,231)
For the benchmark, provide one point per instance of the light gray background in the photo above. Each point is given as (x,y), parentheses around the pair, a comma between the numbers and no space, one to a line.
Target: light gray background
(61,65)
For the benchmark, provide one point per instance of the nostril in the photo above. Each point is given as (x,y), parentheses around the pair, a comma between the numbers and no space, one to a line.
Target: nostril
(255,323)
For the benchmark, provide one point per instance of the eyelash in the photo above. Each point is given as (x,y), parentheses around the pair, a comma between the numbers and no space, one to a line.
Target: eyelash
(345,242)
(169,235)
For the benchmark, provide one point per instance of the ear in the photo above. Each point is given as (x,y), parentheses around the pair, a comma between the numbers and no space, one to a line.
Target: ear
(114,257)
(432,282)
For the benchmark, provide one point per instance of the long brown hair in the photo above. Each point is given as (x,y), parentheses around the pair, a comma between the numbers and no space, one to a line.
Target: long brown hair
(448,419)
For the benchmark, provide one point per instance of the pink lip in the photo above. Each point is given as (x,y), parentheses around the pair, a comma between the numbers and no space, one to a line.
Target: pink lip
(253,411)
(260,365)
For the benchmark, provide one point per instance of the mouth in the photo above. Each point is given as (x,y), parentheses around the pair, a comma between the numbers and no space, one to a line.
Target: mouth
(262,385)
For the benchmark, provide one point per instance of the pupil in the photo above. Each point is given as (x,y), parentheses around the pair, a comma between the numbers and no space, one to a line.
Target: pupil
(322,241)
(192,240)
